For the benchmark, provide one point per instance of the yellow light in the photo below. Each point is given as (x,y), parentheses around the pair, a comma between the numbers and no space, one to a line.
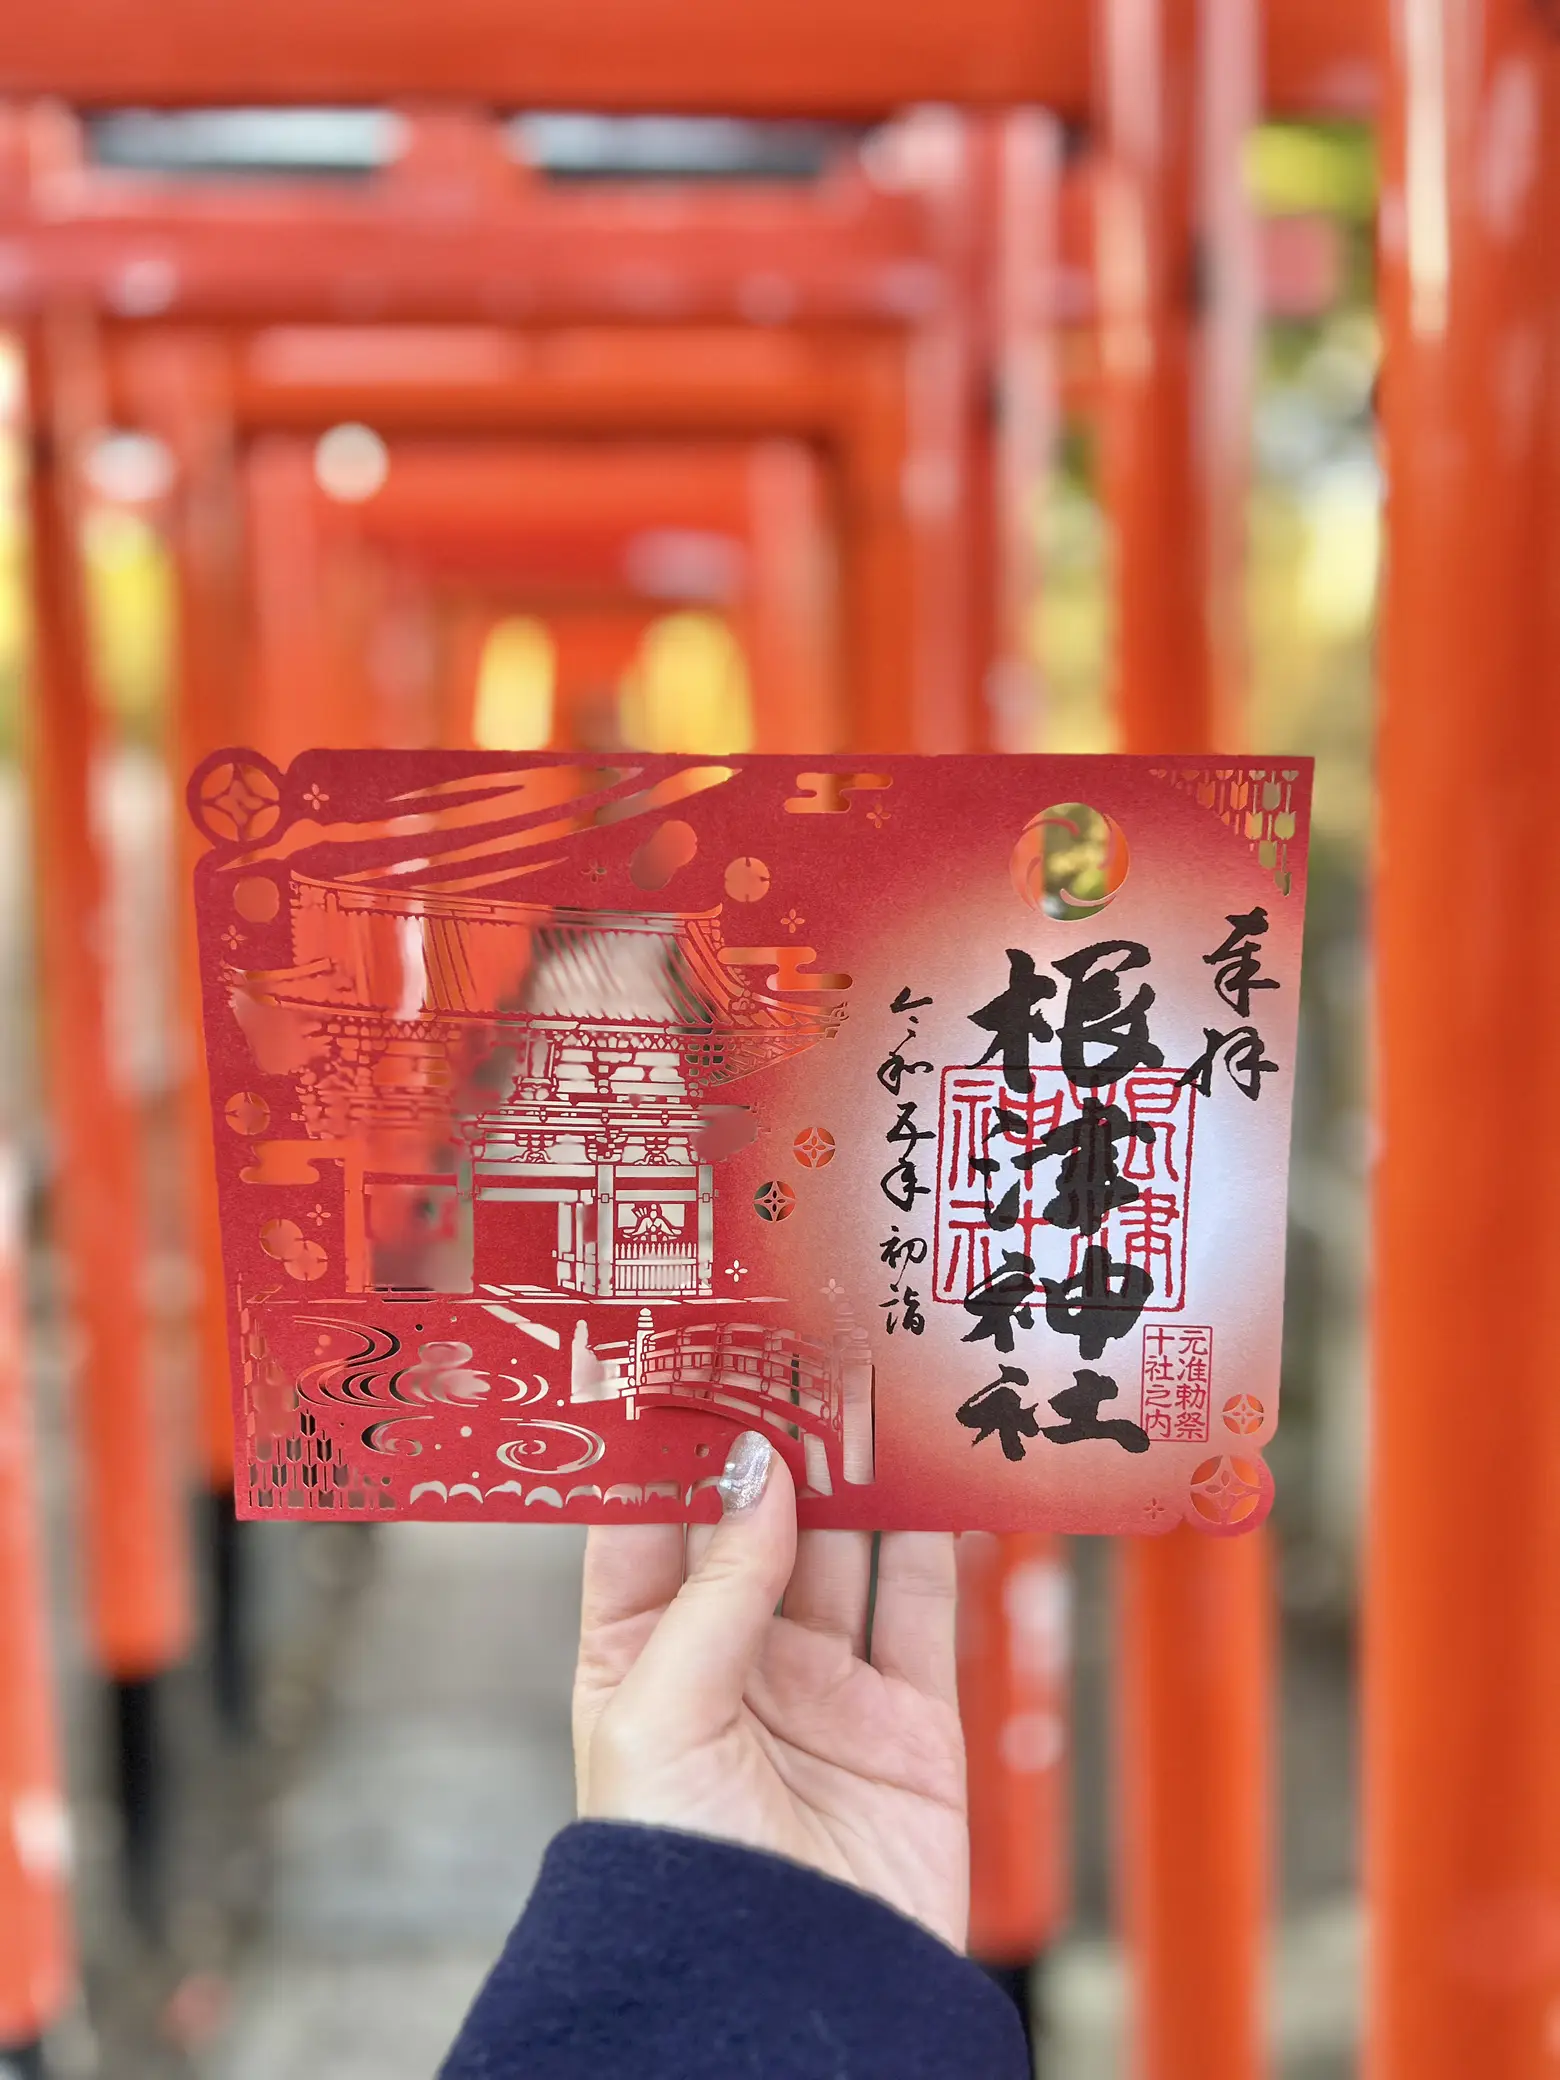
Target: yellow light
(687,690)
(514,710)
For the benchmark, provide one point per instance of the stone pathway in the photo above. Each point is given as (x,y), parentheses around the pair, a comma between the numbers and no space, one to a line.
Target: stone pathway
(405,1849)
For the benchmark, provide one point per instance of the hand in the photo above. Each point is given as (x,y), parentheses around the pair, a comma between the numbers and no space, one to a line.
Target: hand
(696,1707)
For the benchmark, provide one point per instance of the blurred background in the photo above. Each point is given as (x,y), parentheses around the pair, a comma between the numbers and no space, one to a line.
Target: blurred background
(524,427)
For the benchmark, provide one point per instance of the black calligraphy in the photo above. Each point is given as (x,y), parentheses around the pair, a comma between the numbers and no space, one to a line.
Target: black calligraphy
(1079,1408)
(998,1410)
(1103,1035)
(1238,962)
(1090,1186)
(1237,966)
(902,1253)
(903,1310)
(1014,1021)
(1242,1055)
(1004,1214)
(901,1183)
(999,1301)
(902,1249)
(1092,1308)
(1097,1018)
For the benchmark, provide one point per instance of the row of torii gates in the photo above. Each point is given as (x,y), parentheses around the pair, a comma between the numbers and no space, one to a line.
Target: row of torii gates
(859,381)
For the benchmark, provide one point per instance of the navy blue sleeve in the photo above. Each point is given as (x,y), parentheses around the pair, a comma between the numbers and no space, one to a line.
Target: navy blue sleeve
(649,1955)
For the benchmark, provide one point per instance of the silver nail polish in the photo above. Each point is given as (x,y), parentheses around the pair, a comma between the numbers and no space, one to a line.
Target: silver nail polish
(745,1472)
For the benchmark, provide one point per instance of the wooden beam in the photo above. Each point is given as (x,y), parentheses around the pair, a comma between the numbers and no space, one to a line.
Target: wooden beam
(598,383)
(134,246)
(832,58)
(149,253)
(816,57)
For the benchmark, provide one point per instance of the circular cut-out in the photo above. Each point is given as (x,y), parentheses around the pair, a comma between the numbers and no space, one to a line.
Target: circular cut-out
(774,1201)
(237,800)
(308,1261)
(747,880)
(257,898)
(280,1238)
(298,1256)
(1226,1491)
(1070,861)
(246,1112)
(813,1148)
(1244,1414)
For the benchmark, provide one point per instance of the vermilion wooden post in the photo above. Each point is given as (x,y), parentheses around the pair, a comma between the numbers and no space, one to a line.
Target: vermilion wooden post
(208,711)
(136,1568)
(304,694)
(877,559)
(790,622)
(946,475)
(1013,1632)
(183,397)
(1178,89)
(1462,1676)
(35,1945)
(1026,397)
(1013,1662)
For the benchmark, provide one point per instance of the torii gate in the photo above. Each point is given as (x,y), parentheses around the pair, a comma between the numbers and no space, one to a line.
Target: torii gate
(857,389)
(792,57)
(596,540)
(896,420)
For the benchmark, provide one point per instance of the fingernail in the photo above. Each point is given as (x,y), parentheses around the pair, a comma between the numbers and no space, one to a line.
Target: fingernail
(745,1472)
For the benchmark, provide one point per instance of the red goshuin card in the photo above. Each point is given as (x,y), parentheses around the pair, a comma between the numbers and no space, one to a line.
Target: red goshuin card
(930,1114)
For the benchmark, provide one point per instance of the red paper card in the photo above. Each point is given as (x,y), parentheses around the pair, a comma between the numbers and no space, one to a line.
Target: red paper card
(931,1114)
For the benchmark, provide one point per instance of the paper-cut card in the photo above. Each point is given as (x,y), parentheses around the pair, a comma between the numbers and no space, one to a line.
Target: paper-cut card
(930,1114)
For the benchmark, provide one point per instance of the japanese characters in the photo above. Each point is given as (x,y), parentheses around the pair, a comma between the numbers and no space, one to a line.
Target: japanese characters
(901,1184)
(1103,1036)
(1238,973)
(572,1112)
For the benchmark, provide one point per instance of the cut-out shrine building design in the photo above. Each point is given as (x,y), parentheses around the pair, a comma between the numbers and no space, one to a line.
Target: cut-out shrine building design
(520,1095)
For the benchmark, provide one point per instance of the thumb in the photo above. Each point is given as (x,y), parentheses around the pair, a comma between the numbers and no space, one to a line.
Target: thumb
(693,1671)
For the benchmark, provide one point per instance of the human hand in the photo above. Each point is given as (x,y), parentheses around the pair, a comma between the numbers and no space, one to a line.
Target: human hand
(696,1707)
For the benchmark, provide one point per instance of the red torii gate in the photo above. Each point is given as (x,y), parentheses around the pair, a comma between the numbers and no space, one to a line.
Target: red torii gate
(853,397)
(1012,1683)
(851,388)
(905,584)
(788,84)
(454,231)
(454,228)
(598,541)
(856,392)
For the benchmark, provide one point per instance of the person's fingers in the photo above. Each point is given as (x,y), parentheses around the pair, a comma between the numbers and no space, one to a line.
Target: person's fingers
(632,1572)
(912,1621)
(829,1584)
(696,1545)
(687,1683)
